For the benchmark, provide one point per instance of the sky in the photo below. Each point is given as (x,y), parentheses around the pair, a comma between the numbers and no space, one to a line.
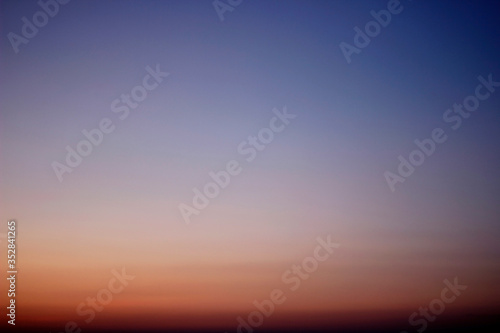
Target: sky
(331,128)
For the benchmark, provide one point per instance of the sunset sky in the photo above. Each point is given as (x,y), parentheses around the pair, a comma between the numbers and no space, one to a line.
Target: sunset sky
(321,176)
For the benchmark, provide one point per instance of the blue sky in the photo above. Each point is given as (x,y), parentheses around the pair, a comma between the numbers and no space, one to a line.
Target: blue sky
(323,174)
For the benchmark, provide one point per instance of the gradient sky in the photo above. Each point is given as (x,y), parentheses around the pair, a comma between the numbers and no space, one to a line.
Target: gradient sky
(321,176)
